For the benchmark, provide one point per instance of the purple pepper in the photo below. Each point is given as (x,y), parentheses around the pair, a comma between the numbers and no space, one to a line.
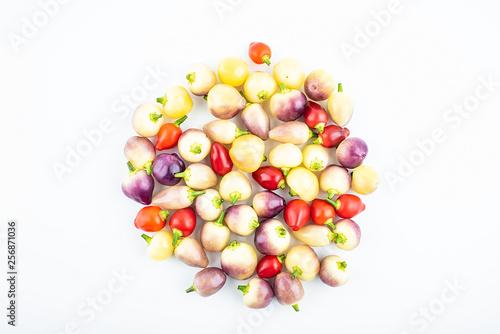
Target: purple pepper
(351,152)
(258,293)
(256,120)
(268,204)
(165,166)
(140,152)
(271,237)
(138,185)
(208,281)
(288,105)
(288,290)
(349,233)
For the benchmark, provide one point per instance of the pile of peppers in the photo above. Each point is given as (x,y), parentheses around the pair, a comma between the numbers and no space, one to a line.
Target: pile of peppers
(229,178)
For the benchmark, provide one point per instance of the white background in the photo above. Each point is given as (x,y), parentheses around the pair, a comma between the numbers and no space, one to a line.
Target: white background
(436,226)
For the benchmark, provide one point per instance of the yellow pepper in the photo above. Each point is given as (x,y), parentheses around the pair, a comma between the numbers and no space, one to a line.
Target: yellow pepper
(365,180)
(340,107)
(232,71)
(285,156)
(160,245)
(235,187)
(176,102)
(303,182)
(247,153)
(315,157)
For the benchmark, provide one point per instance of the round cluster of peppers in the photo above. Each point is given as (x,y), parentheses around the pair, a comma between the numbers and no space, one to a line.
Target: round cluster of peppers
(305,172)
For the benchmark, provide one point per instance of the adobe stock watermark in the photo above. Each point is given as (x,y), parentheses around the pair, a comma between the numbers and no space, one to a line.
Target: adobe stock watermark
(421,319)
(254,319)
(364,36)
(453,118)
(88,310)
(121,107)
(31,26)
(224,6)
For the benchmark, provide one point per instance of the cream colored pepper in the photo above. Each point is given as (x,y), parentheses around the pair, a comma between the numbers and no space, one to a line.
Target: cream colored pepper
(302,261)
(235,187)
(315,157)
(247,153)
(340,107)
(303,182)
(160,245)
(285,156)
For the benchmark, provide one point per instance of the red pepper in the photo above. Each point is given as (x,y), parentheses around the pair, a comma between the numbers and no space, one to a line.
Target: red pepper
(322,213)
(269,177)
(169,134)
(220,159)
(151,219)
(259,53)
(315,116)
(332,136)
(182,223)
(347,205)
(270,265)
(296,214)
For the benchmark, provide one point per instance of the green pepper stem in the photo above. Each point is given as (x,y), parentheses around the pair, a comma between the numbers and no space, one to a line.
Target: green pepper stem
(254,223)
(239,133)
(296,271)
(195,148)
(331,236)
(162,100)
(284,90)
(281,257)
(332,193)
(320,127)
(147,167)
(247,102)
(312,134)
(164,214)
(296,307)
(339,238)
(191,77)
(233,245)
(219,221)
(281,184)
(341,265)
(147,238)
(340,90)
(281,232)
(154,117)
(316,164)
(265,59)
(192,194)
(318,140)
(329,222)
(190,289)
(217,202)
(262,95)
(186,174)
(244,288)
(285,170)
(178,122)
(292,193)
(177,234)
(336,204)
(235,196)
(131,168)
